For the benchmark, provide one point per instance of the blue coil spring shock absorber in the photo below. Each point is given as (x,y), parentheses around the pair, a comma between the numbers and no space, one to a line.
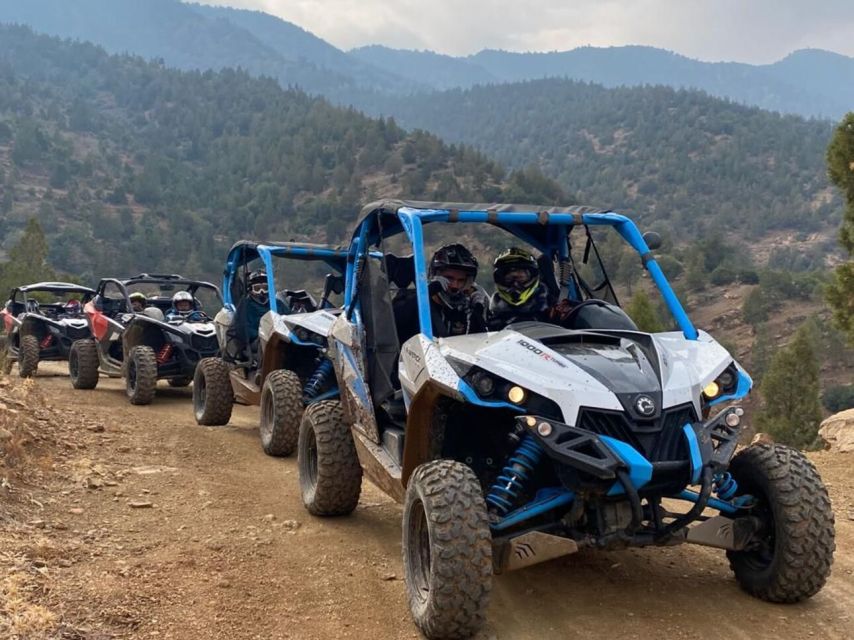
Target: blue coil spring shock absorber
(725,486)
(317,380)
(515,477)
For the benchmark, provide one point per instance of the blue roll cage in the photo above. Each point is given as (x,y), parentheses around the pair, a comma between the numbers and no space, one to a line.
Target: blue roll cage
(411,221)
(335,258)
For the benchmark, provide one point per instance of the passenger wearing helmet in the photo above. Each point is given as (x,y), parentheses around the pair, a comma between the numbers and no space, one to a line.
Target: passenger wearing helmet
(519,295)
(137,302)
(184,309)
(457,303)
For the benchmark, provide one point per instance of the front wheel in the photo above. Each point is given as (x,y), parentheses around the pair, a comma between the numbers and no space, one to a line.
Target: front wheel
(790,561)
(330,476)
(141,380)
(447,550)
(28,357)
(281,412)
(83,364)
(213,397)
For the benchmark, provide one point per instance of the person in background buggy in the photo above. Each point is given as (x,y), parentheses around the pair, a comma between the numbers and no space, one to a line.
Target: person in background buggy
(138,301)
(251,307)
(184,309)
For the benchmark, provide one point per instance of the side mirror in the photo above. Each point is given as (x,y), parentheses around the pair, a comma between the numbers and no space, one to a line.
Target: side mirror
(653,240)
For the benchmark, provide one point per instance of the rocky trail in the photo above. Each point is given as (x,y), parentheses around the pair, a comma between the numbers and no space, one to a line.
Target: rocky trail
(133,522)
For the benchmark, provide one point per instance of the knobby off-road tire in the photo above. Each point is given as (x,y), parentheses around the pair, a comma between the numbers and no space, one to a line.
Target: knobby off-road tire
(447,550)
(793,503)
(179,383)
(141,375)
(330,476)
(28,357)
(281,411)
(83,364)
(213,397)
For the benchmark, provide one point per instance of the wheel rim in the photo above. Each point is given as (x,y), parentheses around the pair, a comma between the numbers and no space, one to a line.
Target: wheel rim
(418,550)
(73,367)
(200,393)
(268,415)
(311,460)
(762,556)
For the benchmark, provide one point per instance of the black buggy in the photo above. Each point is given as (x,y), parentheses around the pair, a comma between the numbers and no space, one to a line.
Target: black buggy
(145,345)
(41,321)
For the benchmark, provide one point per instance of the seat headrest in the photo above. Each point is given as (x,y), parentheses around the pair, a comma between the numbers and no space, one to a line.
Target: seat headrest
(154,313)
(401,270)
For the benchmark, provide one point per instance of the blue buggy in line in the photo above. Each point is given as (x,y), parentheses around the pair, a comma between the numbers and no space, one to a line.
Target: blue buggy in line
(281,363)
(534,441)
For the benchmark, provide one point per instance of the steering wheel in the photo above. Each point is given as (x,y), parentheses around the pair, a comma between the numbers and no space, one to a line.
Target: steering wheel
(569,321)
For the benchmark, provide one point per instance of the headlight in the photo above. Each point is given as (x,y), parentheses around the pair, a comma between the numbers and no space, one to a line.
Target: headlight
(174,338)
(516,395)
(711,390)
(724,384)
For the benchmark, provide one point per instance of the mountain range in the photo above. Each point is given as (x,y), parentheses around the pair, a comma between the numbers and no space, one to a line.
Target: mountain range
(812,83)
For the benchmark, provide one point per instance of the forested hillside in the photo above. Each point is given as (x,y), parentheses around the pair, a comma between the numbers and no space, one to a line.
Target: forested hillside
(130,165)
(679,157)
(193,36)
(807,82)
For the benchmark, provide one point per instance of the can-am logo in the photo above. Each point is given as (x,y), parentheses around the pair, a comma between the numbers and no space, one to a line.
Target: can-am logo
(545,356)
(645,406)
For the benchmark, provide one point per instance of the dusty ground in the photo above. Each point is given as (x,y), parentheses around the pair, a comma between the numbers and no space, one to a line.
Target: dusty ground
(226,550)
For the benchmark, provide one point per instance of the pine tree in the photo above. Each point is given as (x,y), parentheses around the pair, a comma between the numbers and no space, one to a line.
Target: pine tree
(790,391)
(27,261)
(644,314)
(840,161)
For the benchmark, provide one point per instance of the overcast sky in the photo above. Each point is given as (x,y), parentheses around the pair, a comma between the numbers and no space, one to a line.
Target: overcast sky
(756,31)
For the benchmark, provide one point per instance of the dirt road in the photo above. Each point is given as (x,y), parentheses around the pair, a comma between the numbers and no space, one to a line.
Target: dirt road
(226,550)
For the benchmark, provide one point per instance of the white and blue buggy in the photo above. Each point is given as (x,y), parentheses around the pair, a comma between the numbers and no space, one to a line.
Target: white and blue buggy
(285,367)
(528,443)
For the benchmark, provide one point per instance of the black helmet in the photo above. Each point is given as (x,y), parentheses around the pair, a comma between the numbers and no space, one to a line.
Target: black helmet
(517,275)
(453,256)
(258,287)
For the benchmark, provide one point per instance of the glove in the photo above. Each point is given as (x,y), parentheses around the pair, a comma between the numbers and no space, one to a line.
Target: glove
(478,296)
(437,285)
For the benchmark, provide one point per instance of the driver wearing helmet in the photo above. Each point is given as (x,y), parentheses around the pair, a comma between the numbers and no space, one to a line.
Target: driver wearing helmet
(257,303)
(138,302)
(457,303)
(519,295)
(184,309)
(72,307)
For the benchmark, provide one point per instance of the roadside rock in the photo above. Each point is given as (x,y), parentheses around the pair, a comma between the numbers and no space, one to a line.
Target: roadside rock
(837,432)
(762,438)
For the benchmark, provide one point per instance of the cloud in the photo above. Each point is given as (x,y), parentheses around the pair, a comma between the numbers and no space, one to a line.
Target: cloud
(746,30)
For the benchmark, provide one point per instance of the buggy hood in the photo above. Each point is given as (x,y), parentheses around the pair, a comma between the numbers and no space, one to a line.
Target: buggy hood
(599,369)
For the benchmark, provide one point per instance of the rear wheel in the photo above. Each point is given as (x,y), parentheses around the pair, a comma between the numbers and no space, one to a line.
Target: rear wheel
(141,378)
(83,364)
(28,357)
(281,411)
(213,397)
(791,558)
(330,476)
(180,382)
(447,550)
